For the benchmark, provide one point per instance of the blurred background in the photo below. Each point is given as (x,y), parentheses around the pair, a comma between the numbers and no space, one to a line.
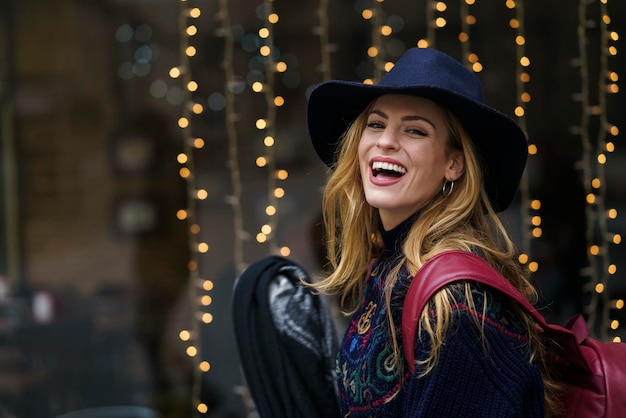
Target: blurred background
(151,149)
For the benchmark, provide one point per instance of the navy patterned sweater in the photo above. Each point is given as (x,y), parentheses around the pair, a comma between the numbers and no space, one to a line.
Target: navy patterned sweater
(465,382)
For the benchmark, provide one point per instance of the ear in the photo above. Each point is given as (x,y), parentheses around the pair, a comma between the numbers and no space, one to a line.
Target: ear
(456,166)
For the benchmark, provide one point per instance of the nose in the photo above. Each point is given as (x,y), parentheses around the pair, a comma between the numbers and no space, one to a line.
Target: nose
(387,140)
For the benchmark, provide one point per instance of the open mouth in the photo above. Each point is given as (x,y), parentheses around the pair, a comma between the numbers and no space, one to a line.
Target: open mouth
(387,169)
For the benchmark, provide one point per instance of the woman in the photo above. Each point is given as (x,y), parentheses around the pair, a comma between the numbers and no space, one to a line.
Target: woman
(420,165)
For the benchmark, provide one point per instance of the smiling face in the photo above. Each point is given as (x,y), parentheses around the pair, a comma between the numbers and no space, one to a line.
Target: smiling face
(404,156)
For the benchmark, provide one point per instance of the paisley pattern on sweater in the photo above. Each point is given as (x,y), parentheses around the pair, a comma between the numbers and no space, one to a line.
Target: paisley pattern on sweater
(368,373)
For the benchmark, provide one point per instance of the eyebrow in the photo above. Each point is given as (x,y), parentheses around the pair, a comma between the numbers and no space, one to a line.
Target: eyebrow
(404,118)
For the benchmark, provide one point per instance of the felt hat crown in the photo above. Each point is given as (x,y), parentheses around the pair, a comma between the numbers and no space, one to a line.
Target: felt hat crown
(500,142)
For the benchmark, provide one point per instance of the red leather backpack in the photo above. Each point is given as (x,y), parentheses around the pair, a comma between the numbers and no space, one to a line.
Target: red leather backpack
(594,372)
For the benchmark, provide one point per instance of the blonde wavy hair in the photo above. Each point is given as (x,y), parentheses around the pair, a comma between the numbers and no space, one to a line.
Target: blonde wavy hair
(464,220)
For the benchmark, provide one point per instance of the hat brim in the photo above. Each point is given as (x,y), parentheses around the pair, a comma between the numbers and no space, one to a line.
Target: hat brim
(500,142)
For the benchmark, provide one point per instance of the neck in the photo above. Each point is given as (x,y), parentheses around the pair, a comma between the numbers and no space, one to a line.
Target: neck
(394,238)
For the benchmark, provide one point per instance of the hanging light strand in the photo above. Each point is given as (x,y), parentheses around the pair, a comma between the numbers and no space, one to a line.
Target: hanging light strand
(531,219)
(601,270)
(267,126)
(607,85)
(273,193)
(599,181)
(235,200)
(375,50)
(429,41)
(191,337)
(433,22)
(325,46)
(583,130)
(470,58)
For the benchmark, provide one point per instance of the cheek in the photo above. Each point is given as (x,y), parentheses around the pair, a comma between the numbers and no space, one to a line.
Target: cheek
(430,167)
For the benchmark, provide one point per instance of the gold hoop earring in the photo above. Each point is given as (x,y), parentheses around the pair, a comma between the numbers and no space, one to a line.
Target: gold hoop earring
(446,191)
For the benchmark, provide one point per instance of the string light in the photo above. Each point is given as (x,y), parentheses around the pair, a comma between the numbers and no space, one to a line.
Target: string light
(429,40)
(267,125)
(531,220)
(467,20)
(376,52)
(601,270)
(607,85)
(325,46)
(231,118)
(192,338)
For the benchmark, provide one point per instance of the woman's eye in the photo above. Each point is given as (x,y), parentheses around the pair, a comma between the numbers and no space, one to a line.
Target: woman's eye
(417,132)
(375,125)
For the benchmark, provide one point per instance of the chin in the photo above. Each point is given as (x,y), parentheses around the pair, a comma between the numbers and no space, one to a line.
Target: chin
(381,203)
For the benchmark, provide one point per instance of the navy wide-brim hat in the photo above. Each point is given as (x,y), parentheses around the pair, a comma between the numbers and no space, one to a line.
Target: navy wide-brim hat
(500,142)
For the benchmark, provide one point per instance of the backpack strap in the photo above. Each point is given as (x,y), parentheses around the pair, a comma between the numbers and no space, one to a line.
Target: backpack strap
(456,265)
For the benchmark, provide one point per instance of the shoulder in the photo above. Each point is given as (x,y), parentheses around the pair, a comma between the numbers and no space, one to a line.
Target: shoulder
(484,329)
(483,309)
(484,358)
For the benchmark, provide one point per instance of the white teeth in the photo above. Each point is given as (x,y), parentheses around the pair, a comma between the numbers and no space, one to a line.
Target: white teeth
(380,165)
